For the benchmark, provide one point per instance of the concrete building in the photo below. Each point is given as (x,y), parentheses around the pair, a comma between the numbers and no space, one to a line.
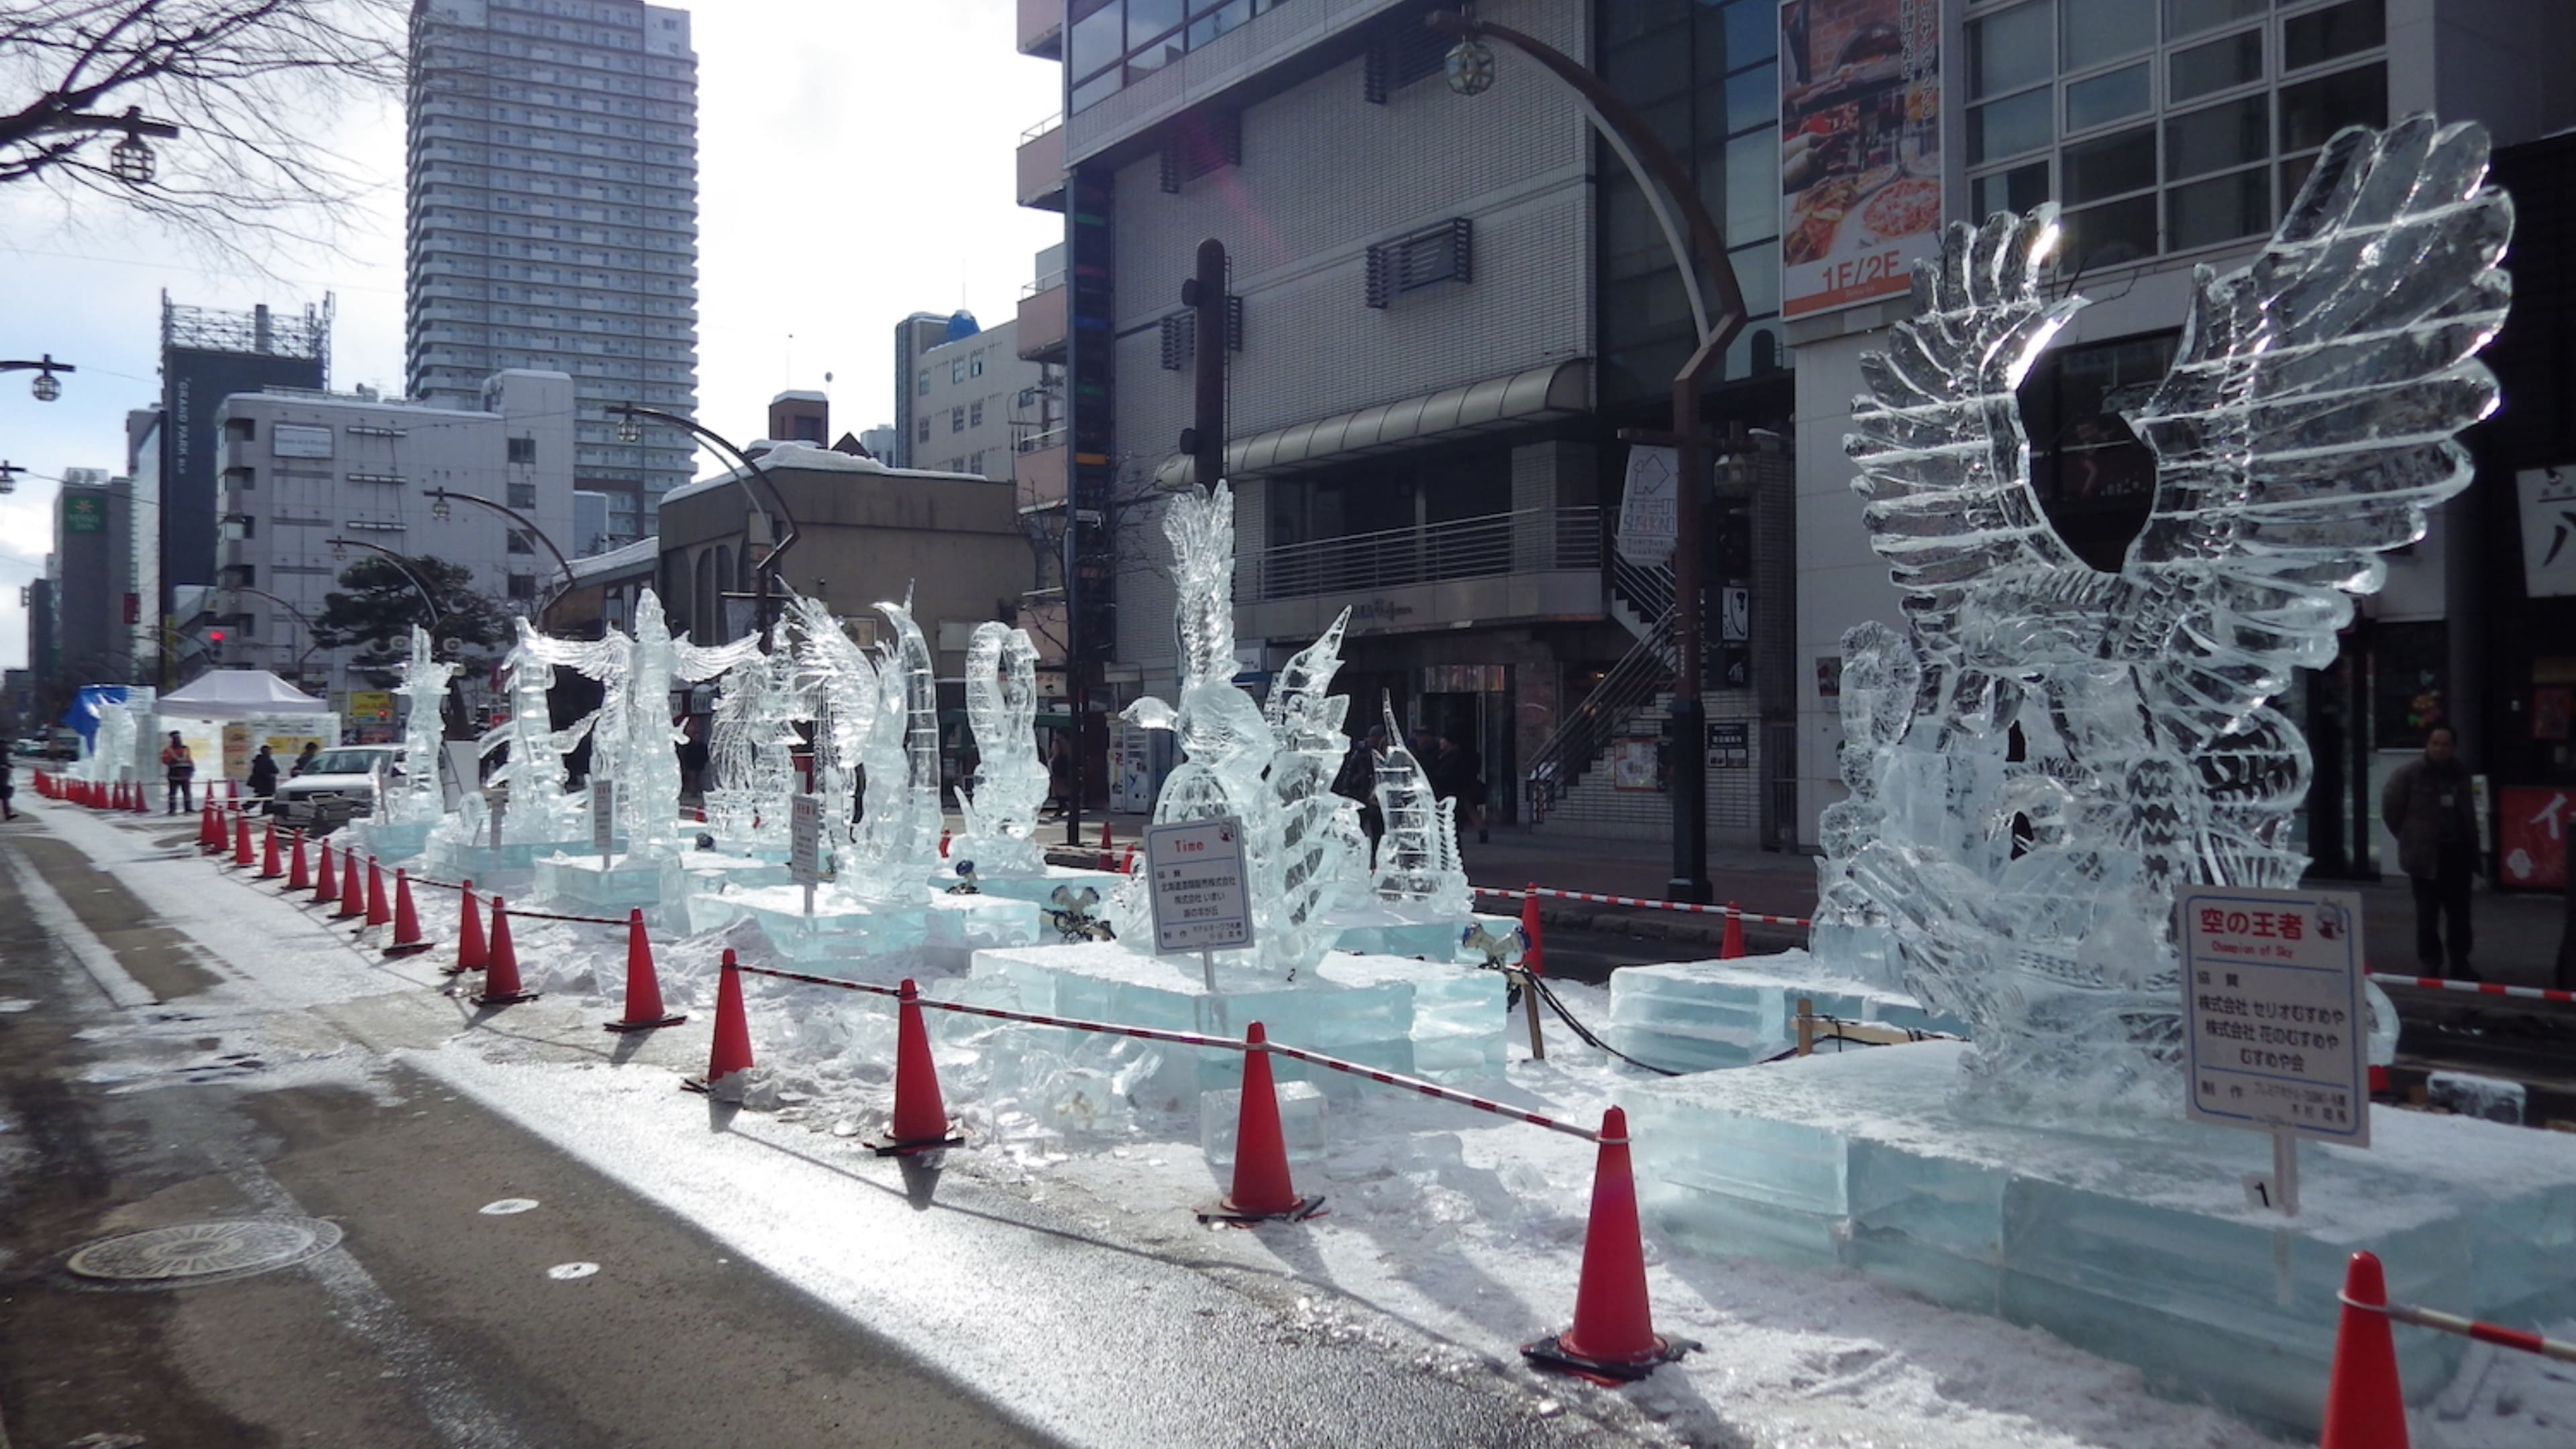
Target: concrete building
(552,182)
(964,398)
(2173,136)
(303,469)
(880,441)
(207,355)
(94,601)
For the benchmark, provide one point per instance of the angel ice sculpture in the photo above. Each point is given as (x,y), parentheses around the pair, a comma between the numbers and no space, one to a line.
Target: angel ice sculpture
(533,771)
(752,766)
(1270,769)
(424,684)
(631,742)
(876,729)
(2054,749)
(1001,807)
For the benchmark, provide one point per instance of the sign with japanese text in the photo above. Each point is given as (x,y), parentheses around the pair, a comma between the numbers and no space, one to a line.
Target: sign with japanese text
(1648,516)
(1730,744)
(2548,530)
(1201,900)
(603,815)
(2531,836)
(1860,149)
(84,513)
(805,839)
(2275,1020)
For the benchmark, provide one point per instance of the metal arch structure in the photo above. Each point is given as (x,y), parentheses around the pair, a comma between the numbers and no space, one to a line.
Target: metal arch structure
(750,468)
(401,566)
(1680,213)
(446,495)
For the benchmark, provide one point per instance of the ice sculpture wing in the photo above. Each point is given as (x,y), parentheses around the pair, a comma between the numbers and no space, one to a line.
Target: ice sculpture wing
(2307,422)
(694,662)
(1946,465)
(1202,533)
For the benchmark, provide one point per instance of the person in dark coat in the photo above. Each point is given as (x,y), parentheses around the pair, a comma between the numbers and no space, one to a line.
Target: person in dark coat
(304,758)
(1357,780)
(2428,807)
(1459,774)
(263,774)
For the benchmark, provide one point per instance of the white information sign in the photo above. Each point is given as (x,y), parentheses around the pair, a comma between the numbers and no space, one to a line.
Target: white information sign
(1649,517)
(464,772)
(805,839)
(2548,530)
(500,808)
(1201,900)
(2275,1013)
(603,817)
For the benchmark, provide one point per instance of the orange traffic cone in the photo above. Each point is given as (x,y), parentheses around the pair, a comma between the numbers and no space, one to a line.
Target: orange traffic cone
(326,883)
(731,1051)
(407,939)
(209,835)
(1533,958)
(353,892)
(270,867)
(232,789)
(142,798)
(2364,1408)
(1108,861)
(643,992)
(298,878)
(378,910)
(1731,944)
(501,984)
(241,840)
(1613,1338)
(471,954)
(1127,866)
(920,1119)
(1261,1189)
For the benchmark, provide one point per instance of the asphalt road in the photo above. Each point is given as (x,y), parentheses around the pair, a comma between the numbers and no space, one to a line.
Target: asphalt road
(437,1324)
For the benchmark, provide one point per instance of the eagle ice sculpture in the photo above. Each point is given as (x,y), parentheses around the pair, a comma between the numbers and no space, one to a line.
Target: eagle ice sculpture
(2050,750)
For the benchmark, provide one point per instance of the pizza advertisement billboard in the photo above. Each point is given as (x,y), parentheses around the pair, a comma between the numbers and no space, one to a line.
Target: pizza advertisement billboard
(1860,149)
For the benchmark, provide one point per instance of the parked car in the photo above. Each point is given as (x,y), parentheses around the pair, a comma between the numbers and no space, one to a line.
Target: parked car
(340,786)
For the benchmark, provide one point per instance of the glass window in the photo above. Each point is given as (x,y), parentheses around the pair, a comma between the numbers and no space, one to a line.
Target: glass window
(2016,191)
(2008,51)
(2110,166)
(1094,90)
(2110,234)
(1752,32)
(1148,19)
(1757,274)
(2220,209)
(2338,30)
(2191,17)
(2313,110)
(1096,35)
(1753,98)
(1217,20)
(2219,65)
(2093,31)
(1753,186)
(2007,128)
(2217,137)
(2108,97)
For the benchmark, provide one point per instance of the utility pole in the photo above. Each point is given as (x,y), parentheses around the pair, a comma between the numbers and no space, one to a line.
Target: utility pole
(1204,295)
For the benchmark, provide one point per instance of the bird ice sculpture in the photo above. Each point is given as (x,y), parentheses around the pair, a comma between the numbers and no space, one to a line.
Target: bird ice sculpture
(424,683)
(2122,718)
(1000,806)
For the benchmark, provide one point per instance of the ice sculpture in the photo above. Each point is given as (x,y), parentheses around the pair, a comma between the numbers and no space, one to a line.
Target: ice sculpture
(539,811)
(632,741)
(908,678)
(1271,769)
(418,799)
(2054,749)
(112,747)
(1001,806)
(1417,857)
(840,684)
(876,735)
(751,751)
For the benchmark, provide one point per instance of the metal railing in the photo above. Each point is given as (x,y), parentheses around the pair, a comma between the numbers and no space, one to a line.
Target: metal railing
(1631,687)
(1527,541)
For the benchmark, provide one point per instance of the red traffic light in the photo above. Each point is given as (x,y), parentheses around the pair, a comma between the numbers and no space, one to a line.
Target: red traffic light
(214,636)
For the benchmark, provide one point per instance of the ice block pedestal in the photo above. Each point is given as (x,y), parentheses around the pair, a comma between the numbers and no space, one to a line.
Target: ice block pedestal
(1691,1016)
(390,841)
(2129,1237)
(1036,889)
(622,883)
(1405,928)
(1363,1009)
(939,932)
(506,867)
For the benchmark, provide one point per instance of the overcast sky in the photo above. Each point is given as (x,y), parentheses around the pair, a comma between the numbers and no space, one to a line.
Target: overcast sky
(855,164)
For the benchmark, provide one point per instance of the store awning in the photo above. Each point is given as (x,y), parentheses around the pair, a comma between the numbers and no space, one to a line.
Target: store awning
(1493,405)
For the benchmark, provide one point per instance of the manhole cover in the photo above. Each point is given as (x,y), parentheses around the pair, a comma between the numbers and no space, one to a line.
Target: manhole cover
(202,1252)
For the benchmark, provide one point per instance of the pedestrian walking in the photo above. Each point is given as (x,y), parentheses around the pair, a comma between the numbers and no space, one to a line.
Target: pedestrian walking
(1357,780)
(179,772)
(8,788)
(1459,774)
(2428,807)
(263,778)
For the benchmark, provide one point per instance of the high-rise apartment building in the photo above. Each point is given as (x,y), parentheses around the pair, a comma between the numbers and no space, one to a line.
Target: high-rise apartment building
(553,221)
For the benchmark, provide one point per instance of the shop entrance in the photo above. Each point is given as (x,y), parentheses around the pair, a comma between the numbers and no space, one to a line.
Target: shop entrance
(1471,704)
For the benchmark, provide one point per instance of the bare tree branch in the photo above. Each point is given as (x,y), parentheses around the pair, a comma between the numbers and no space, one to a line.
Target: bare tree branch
(255,86)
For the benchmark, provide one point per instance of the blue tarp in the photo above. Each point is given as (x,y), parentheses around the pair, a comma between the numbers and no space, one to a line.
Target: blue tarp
(83,714)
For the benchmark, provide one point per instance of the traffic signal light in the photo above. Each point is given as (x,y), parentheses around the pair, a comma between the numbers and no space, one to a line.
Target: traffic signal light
(214,644)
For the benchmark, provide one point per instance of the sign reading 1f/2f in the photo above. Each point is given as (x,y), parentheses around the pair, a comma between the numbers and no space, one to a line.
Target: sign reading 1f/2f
(1200,897)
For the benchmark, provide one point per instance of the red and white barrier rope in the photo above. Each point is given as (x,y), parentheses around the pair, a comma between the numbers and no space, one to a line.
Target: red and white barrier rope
(1645,904)
(2453,1323)
(1186,1038)
(2478,988)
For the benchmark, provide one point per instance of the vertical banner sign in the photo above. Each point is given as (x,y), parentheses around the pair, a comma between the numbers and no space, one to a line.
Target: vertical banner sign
(805,844)
(2548,530)
(464,773)
(1201,900)
(1648,520)
(2272,1002)
(1860,149)
(603,817)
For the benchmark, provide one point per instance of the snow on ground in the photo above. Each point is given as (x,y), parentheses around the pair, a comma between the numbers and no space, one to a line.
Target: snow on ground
(1450,1236)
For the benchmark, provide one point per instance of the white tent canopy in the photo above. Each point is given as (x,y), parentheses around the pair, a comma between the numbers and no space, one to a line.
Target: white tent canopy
(238,693)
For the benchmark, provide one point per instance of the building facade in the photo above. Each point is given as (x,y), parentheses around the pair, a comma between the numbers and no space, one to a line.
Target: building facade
(95,603)
(552,189)
(207,355)
(316,481)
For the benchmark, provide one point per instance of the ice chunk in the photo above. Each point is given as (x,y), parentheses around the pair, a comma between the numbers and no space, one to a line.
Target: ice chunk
(2489,1098)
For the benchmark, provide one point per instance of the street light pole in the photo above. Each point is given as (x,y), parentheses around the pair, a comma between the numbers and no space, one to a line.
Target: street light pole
(440,498)
(628,431)
(1679,212)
